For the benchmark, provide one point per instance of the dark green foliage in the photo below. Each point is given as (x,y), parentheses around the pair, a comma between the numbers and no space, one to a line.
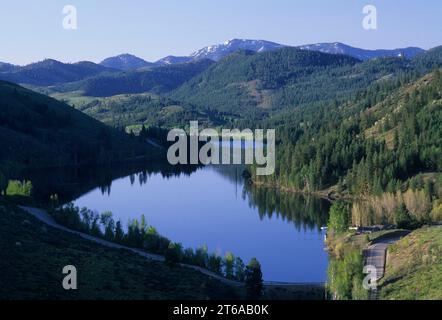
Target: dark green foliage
(240,269)
(140,235)
(253,85)
(229,265)
(50,72)
(133,111)
(331,147)
(214,263)
(404,220)
(201,256)
(155,80)
(40,131)
(345,276)
(39,253)
(302,211)
(340,218)
(108,224)
(253,280)
(173,254)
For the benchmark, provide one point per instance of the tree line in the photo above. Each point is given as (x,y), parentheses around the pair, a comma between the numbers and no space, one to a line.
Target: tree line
(365,147)
(139,234)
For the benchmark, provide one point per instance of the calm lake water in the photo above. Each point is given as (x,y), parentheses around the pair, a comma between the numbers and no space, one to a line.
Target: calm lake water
(212,206)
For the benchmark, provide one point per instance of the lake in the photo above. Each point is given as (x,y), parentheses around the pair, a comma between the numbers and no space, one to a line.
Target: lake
(213,205)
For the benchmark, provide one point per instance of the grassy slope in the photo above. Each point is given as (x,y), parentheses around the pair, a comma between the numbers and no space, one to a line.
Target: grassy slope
(128,110)
(32,269)
(414,267)
(394,104)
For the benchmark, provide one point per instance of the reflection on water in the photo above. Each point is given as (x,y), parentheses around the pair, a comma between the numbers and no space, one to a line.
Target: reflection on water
(69,183)
(206,205)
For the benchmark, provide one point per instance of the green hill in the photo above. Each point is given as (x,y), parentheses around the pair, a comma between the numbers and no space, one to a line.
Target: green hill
(248,82)
(372,145)
(154,80)
(129,110)
(32,257)
(36,130)
(51,72)
(414,267)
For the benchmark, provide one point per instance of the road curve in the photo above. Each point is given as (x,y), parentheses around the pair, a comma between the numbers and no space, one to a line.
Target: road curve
(376,255)
(46,218)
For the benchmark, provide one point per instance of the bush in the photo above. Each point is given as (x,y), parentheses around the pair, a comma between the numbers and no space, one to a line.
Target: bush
(240,272)
(215,263)
(201,256)
(436,213)
(339,220)
(18,188)
(139,235)
(174,254)
(404,220)
(229,264)
(69,216)
(253,280)
(189,256)
(345,276)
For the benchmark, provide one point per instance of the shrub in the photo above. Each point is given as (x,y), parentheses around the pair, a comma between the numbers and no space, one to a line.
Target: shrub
(229,264)
(214,263)
(253,280)
(339,220)
(174,254)
(436,213)
(18,188)
(404,220)
(345,276)
(69,216)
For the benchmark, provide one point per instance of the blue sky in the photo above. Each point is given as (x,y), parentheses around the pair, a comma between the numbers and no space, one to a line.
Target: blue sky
(32,30)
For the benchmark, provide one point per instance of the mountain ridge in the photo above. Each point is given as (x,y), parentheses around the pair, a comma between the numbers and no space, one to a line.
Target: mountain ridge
(261,81)
(50,72)
(125,62)
(154,80)
(218,51)
(362,54)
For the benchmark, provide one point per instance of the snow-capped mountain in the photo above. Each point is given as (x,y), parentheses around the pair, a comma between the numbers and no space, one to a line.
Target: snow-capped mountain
(362,54)
(219,51)
(125,62)
(172,60)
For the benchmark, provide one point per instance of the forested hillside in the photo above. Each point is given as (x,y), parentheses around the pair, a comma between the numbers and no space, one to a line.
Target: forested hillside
(250,83)
(132,110)
(156,80)
(50,72)
(36,130)
(363,127)
(368,148)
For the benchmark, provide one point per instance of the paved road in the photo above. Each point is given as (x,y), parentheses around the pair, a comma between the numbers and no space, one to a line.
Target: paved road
(376,256)
(46,218)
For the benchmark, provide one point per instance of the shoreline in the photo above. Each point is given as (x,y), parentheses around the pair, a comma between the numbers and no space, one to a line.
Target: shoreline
(326,194)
